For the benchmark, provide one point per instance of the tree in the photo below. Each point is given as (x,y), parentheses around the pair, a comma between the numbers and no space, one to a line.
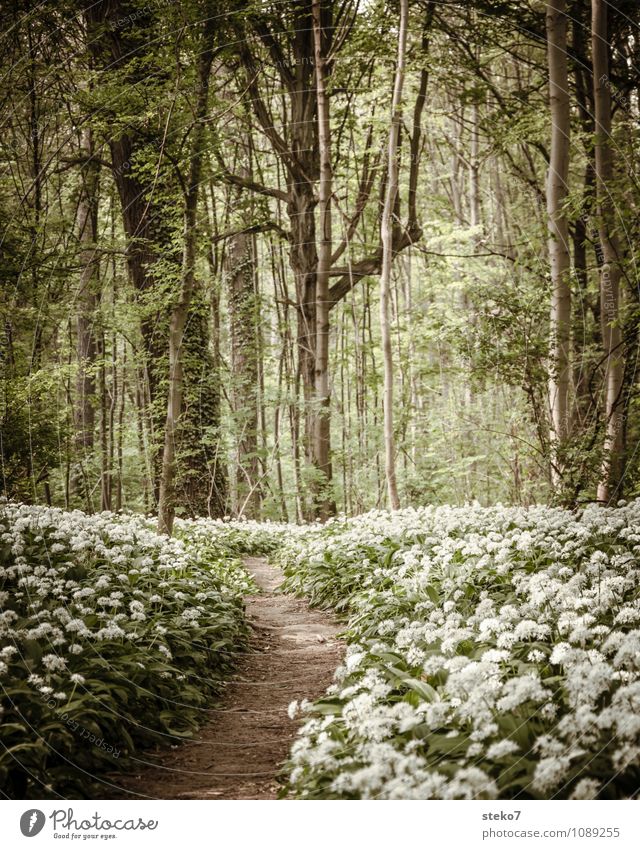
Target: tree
(386,231)
(321,448)
(286,37)
(240,272)
(611,268)
(87,235)
(180,311)
(145,114)
(557,191)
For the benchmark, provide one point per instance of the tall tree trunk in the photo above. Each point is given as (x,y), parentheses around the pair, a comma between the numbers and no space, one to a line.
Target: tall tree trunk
(240,274)
(105,494)
(584,304)
(321,448)
(557,189)
(180,311)
(611,270)
(119,38)
(386,231)
(120,442)
(118,32)
(474,173)
(297,148)
(86,229)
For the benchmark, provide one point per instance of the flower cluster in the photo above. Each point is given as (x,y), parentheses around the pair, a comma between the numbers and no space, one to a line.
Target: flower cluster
(492,653)
(236,536)
(107,626)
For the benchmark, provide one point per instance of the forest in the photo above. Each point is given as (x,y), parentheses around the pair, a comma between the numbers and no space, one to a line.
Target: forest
(260,263)
(351,285)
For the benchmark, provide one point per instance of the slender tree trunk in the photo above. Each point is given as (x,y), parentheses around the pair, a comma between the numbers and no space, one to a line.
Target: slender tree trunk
(105,495)
(120,442)
(386,230)
(584,411)
(303,259)
(583,403)
(180,312)
(262,438)
(474,172)
(240,273)
(610,271)
(321,449)
(277,435)
(557,190)
(86,228)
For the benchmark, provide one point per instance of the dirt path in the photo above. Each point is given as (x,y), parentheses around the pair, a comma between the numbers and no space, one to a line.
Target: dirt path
(292,654)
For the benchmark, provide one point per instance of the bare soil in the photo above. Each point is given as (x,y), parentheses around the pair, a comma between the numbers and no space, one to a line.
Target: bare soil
(293,653)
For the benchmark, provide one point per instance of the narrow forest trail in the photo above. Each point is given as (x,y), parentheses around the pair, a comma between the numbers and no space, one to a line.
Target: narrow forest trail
(292,654)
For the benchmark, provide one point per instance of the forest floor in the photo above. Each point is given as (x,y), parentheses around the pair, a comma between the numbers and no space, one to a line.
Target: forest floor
(292,654)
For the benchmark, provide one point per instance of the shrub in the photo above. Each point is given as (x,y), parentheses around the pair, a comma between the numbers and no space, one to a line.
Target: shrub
(112,638)
(492,653)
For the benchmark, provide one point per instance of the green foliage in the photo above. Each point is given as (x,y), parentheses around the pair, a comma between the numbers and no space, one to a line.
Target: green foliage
(492,653)
(30,433)
(112,639)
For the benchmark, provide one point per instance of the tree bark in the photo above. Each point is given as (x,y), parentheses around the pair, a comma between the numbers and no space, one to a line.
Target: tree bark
(291,47)
(118,49)
(240,266)
(386,232)
(180,312)
(558,229)
(321,449)
(611,270)
(86,229)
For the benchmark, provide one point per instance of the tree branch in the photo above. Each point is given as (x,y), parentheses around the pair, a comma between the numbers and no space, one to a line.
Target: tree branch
(350,275)
(364,191)
(265,227)
(247,183)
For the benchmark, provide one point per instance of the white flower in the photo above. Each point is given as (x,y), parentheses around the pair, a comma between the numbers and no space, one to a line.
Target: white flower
(501,749)
(53,662)
(587,788)
(519,690)
(353,661)
(470,783)
(536,656)
(111,632)
(561,652)
(549,772)
(528,629)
